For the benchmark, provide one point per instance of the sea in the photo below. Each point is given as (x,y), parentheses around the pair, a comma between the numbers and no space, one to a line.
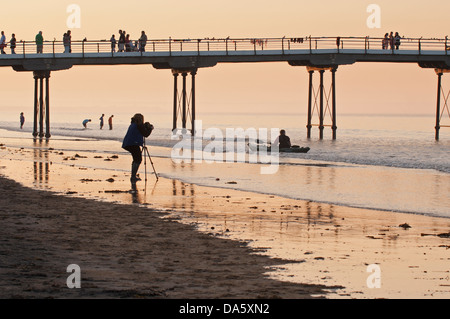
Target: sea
(381,162)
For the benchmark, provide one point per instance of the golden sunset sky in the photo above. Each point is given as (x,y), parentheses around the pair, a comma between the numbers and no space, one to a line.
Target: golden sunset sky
(269,87)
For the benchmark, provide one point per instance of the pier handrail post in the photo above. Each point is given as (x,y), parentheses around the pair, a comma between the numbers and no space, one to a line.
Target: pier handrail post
(82,48)
(53,48)
(23,49)
(282,45)
(446,45)
(170,46)
(226,45)
(310,45)
(420,46)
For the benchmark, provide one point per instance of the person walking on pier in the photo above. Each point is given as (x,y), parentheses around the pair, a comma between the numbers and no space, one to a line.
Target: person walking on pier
(12,44)
(22,120)
(3,43)
(39,43)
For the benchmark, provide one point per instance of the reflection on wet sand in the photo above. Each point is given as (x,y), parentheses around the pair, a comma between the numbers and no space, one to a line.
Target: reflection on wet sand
(41,163)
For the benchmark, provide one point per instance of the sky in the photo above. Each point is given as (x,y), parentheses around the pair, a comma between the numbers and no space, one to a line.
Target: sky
(251,88)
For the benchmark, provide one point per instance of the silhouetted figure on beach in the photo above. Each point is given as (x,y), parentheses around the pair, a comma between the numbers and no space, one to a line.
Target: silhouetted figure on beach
(12,44)
(85,122)
(102,121)
(110,122)
(134,140)
(39,43)
(283,140)
(3,43)
(22,120)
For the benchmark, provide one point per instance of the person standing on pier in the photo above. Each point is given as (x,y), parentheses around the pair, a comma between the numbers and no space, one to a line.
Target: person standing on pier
(386,42)
(113,43)
(110,122)
(142,42)
(121,40)
(397,40)
(391,40)
(67,38)
(22,120)
(39,43)
(3,43)
(128,43)
(12,44)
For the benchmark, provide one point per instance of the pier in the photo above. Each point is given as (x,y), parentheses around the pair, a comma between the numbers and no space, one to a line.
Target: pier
(185,57)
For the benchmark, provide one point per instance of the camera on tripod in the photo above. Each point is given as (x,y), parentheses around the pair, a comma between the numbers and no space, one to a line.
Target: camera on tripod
(148,129)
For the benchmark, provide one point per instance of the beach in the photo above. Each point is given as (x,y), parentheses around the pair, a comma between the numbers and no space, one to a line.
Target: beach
(172,239)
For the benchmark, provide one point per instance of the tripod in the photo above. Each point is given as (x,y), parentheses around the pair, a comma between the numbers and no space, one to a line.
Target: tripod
(146,154)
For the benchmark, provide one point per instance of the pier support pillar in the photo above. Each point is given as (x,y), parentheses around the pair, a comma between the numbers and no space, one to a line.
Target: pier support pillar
(310,96)
(440,110)
(175,100)
(183,119)
(320,101)
(333,106)
(184,105)
(41,104)
(321,127)
(193,74)
(438,105)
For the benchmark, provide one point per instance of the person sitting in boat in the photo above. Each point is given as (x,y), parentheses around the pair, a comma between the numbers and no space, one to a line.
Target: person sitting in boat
(283,140)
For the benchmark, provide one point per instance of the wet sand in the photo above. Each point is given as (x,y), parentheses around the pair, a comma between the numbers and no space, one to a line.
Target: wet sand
(177,240)
(123,251)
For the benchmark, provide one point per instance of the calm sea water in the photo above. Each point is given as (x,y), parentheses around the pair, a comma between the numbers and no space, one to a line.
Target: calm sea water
(378,161)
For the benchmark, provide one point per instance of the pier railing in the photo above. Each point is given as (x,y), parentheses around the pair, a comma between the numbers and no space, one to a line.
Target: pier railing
(229,46)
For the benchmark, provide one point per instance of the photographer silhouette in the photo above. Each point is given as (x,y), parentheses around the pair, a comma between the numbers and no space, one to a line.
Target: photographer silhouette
(134,140)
